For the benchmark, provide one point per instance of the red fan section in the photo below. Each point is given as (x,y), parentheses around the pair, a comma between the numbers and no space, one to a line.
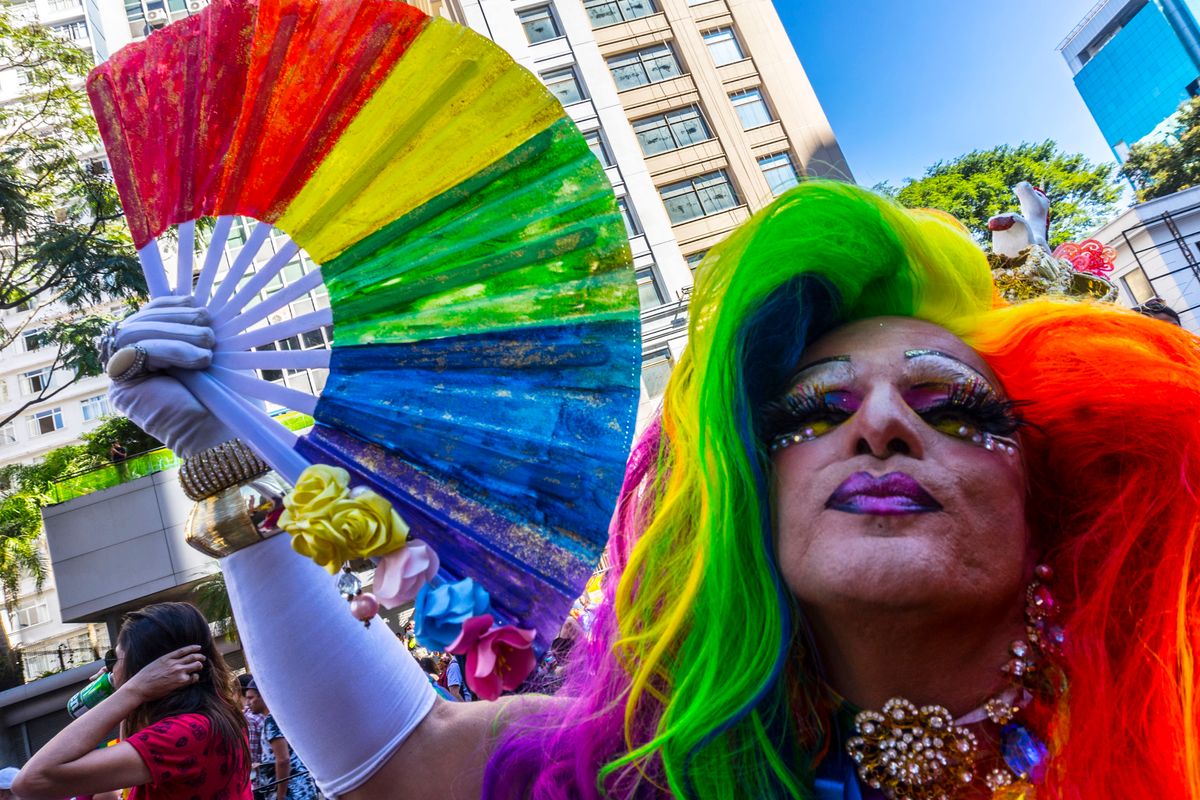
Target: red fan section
(233,133)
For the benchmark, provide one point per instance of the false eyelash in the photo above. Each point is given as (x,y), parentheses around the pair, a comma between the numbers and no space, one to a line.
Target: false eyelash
(807,404)
(987,412)
(800,405)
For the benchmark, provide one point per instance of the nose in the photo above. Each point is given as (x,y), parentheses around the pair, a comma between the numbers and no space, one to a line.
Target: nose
(885,426)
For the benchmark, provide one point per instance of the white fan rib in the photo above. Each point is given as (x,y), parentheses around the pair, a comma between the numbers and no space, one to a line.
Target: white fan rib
(273,359)
(257,282)
(293,291)
(276,330)
(153,270)
(212,259)
(245,384)
(245,258)
(183,264)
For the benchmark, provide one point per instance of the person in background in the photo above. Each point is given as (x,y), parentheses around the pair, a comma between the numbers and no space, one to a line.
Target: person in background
(184,733)
(254,727)
(281,774)
(453,672)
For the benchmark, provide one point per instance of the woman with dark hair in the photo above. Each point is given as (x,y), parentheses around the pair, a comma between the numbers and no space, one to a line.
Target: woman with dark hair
(182,730)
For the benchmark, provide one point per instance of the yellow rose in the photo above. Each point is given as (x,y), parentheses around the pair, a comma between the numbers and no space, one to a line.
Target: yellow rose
(334,531)
(318,487)
(370,525)
(318,540)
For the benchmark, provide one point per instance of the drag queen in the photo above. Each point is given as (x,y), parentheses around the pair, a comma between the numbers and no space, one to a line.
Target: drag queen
(888,538)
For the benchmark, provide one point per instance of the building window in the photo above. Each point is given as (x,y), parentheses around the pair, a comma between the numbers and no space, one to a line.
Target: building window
(631,226)
(751,108)
(672,130)
(723,46)
(656,371)
(73,31)
(95,407)
(1138,285)
(24,77)
(596,144)
(44,422)
(63,5)
(36,381)
(539,24)
(33,613)
(3,390)
(699,196)
(645,66)
(649,295)
(610,12)
(33,340)
(694,260)
(563,84)
(779,171)
(8,433)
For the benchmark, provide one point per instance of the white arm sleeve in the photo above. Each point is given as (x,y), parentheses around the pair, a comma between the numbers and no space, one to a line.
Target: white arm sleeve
(345,696)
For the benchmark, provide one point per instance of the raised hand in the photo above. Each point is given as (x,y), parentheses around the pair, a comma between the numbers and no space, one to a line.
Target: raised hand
(167,674)
(167,335)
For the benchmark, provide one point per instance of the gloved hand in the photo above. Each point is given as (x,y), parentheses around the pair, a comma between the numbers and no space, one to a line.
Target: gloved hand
(175,336)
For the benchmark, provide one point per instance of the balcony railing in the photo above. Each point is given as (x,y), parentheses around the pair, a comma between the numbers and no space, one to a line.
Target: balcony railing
(138,466)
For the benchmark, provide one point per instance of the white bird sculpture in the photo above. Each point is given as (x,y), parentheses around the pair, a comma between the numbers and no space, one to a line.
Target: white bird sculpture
(1012,233)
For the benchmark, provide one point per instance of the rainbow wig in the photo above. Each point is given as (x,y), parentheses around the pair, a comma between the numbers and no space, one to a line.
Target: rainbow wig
(699,679)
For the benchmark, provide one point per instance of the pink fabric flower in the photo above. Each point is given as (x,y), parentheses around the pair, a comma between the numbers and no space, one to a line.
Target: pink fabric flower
(498,659)
(400,574)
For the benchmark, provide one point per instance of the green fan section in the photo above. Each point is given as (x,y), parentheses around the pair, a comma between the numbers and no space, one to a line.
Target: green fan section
(534,239)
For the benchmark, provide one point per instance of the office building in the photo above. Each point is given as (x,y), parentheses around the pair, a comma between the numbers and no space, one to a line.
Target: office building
(1134,62)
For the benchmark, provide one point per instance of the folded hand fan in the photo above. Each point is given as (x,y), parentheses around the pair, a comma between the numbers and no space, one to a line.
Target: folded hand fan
(484,370)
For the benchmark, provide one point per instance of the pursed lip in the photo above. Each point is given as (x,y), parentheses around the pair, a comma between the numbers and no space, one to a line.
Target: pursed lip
(893,494)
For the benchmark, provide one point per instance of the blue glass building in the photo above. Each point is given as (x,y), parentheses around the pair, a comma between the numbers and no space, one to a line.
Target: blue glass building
(1134,62)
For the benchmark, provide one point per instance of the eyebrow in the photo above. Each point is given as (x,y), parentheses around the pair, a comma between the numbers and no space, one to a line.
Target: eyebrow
(911,354)
(820,361)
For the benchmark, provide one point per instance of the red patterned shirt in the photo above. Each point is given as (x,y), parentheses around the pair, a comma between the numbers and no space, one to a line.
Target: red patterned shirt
(185,762)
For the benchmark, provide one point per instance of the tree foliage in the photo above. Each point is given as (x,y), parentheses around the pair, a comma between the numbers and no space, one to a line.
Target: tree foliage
(26,488)
(1161,168)
(61,235)
(978,185)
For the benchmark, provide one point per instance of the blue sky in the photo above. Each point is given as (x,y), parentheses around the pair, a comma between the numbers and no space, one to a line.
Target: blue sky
(906,83)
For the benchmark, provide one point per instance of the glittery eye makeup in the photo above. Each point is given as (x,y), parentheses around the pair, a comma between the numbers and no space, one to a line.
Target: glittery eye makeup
(950,396)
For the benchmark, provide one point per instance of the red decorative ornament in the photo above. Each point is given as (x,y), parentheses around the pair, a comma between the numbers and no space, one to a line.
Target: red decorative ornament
(1088,256)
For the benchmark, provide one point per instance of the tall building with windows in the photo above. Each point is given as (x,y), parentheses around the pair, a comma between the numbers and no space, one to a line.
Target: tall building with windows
(1134,62)
(700,111)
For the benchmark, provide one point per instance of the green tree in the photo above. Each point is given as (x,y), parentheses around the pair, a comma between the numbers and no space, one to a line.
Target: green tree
(1161,168)
(978,185)
(62,240)
(212,598)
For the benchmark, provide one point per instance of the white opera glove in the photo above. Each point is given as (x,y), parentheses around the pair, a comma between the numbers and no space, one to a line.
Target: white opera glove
(346,697)
(174,336)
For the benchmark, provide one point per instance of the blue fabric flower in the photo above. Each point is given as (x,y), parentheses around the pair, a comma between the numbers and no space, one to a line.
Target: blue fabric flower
(440,612)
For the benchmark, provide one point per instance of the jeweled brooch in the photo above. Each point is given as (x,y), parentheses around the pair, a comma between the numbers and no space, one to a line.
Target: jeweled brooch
(913,754)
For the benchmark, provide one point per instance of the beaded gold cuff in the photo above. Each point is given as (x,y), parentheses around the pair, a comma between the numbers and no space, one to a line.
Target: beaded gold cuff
(211,471)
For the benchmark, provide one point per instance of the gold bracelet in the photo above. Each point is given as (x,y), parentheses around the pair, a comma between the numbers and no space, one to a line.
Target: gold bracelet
(218,468)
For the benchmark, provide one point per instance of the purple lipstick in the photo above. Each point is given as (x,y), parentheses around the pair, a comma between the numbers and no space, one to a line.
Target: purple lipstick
(889,495)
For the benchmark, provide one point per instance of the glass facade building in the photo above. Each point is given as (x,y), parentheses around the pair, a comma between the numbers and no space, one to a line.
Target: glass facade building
(1132,66)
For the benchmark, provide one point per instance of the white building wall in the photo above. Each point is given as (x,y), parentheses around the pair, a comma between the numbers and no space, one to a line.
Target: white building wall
(1150,259)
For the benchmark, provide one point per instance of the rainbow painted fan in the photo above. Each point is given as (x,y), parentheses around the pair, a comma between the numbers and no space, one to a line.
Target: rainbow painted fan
(485,360)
